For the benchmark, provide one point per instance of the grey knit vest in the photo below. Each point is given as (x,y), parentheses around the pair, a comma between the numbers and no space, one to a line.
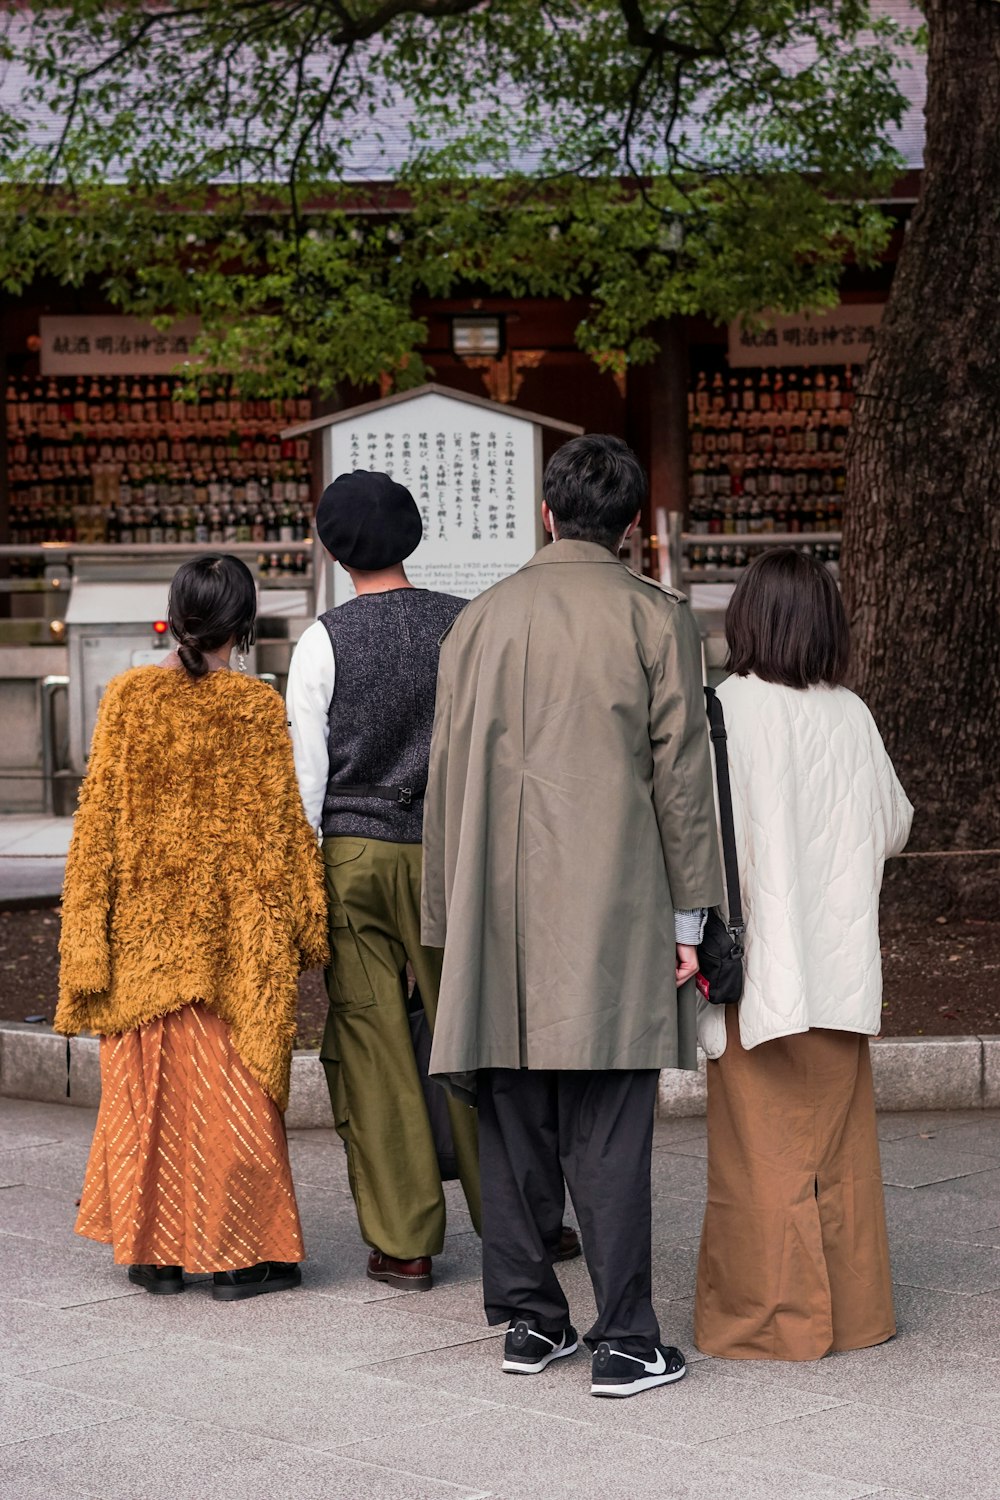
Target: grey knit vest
(385,649)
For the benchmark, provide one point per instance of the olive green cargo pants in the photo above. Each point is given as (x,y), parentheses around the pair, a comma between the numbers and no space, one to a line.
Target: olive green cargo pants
(371,1071)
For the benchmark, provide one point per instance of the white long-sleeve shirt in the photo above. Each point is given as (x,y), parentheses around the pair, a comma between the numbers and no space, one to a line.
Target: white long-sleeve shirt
(311,678)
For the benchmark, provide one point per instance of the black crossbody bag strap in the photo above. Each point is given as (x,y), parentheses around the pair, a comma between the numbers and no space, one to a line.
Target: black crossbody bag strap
(717,729)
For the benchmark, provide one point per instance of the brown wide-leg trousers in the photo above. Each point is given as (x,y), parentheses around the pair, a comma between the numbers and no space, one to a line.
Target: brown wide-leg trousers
(794,1253)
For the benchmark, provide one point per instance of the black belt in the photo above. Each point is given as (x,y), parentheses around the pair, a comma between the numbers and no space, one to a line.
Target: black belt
(403,796)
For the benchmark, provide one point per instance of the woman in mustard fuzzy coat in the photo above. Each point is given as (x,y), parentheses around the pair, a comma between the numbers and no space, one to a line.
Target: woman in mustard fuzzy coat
(193,898)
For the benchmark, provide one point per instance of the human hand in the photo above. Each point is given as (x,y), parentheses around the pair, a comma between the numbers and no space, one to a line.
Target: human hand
(687,963)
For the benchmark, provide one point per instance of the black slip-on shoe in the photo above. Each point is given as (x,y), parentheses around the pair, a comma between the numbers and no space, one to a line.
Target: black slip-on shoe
(269,1276)
(162,1281)
(618,1374)
(526,1350)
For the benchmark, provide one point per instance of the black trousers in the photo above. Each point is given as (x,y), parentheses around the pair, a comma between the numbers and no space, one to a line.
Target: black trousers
(595,1132)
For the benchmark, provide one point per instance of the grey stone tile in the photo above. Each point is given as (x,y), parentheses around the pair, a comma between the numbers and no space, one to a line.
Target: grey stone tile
(54,1121)
(310,1401)
(906,1375)
(337,1258)
(21,1477)
(928,1210)
(29,1409)
(894,1127)
(900,1495)
(317,1156)
(58,1167)
(696,1147)
(865,1445)
(945,1265)
(514,1446)
(978,1135)
(61,1275)
(171,1460)
(676,1320)
(706,1405)
(10,1173)
(967,1325)
(15,1136)
(914,1162)
(677,1176)
(35,1213)
(668,1133)
(456,1301)
(281,1327)
(675,1218)
(457,1210)
(34,1337)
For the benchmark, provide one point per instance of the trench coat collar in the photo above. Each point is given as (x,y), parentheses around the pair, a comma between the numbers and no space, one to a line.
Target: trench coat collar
(572,552)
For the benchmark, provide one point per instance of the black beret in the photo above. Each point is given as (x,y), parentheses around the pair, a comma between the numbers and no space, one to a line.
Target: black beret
(367,521)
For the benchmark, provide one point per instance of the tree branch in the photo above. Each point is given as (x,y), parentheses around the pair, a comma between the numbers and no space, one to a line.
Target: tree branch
(659,43)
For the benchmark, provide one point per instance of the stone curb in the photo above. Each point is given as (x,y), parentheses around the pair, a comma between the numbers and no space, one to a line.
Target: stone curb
(910,1072)
(913,1072)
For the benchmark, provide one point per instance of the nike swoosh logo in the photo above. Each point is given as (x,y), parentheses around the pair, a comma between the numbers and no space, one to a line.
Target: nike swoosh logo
(659,1365)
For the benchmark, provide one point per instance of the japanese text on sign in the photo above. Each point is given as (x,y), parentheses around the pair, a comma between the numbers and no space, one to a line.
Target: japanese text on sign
(472,473)
(114,346)
(843,336)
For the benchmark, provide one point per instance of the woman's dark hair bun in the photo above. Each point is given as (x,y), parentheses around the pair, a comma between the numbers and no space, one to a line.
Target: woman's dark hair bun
(192,660)
(213,600)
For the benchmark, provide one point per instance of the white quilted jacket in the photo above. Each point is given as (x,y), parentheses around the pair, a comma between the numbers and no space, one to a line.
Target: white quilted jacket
(818,810)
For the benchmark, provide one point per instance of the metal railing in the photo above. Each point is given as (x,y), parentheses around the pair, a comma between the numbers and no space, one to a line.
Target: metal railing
(675,541)
(50,752)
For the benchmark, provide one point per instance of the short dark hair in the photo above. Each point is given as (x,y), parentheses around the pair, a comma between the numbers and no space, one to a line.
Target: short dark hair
(212,600)
(593,486)
(786,622)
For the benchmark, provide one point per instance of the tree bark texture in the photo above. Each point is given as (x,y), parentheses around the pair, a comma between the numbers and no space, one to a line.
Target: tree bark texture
(922,522)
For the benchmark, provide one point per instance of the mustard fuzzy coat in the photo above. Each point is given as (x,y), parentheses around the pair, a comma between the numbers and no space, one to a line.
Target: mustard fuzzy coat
(193,873)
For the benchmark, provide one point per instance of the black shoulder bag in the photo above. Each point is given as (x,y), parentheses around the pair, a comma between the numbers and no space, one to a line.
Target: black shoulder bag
(720,952)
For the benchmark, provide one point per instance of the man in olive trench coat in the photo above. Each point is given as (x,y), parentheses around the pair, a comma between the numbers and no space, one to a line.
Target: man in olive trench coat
(569,815)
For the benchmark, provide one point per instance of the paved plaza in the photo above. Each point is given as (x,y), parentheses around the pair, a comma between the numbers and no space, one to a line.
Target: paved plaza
(347,1390)
(33,857)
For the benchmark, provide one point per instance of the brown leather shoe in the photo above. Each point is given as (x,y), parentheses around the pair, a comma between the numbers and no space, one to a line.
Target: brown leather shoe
(410,1275)
(569,1244)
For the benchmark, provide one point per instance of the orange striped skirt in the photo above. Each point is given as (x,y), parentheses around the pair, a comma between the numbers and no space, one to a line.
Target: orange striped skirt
(189,1164)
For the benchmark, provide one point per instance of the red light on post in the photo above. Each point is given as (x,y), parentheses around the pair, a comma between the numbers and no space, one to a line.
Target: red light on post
(160,627)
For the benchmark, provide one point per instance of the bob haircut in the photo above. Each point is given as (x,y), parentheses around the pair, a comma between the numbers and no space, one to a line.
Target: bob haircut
(212,600)
(786,622)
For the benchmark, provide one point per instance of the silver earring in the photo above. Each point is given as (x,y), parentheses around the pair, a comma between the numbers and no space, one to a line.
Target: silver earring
(241,661)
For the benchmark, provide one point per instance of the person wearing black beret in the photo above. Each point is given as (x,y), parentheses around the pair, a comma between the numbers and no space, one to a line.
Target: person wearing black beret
(361,691)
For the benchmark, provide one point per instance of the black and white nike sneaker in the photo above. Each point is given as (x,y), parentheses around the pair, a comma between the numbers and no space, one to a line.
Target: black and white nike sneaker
(527,1350)
(618,1374)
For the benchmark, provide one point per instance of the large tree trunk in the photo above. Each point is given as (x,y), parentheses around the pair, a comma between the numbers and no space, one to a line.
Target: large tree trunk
(922,527)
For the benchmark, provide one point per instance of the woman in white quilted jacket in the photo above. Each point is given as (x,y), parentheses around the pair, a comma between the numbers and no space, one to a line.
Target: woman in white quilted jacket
(794,1255)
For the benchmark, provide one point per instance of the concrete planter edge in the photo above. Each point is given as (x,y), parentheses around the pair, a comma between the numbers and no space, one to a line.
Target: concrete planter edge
(911,1073)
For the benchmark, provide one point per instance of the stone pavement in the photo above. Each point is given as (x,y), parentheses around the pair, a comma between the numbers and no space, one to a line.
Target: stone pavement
(346,1390)
(32,857)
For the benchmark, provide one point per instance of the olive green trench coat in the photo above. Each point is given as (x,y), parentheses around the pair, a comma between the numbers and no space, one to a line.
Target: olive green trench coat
(569,810)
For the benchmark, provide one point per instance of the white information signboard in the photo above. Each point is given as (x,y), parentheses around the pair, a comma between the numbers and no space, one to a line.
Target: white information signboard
(842,336)
(474,468)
